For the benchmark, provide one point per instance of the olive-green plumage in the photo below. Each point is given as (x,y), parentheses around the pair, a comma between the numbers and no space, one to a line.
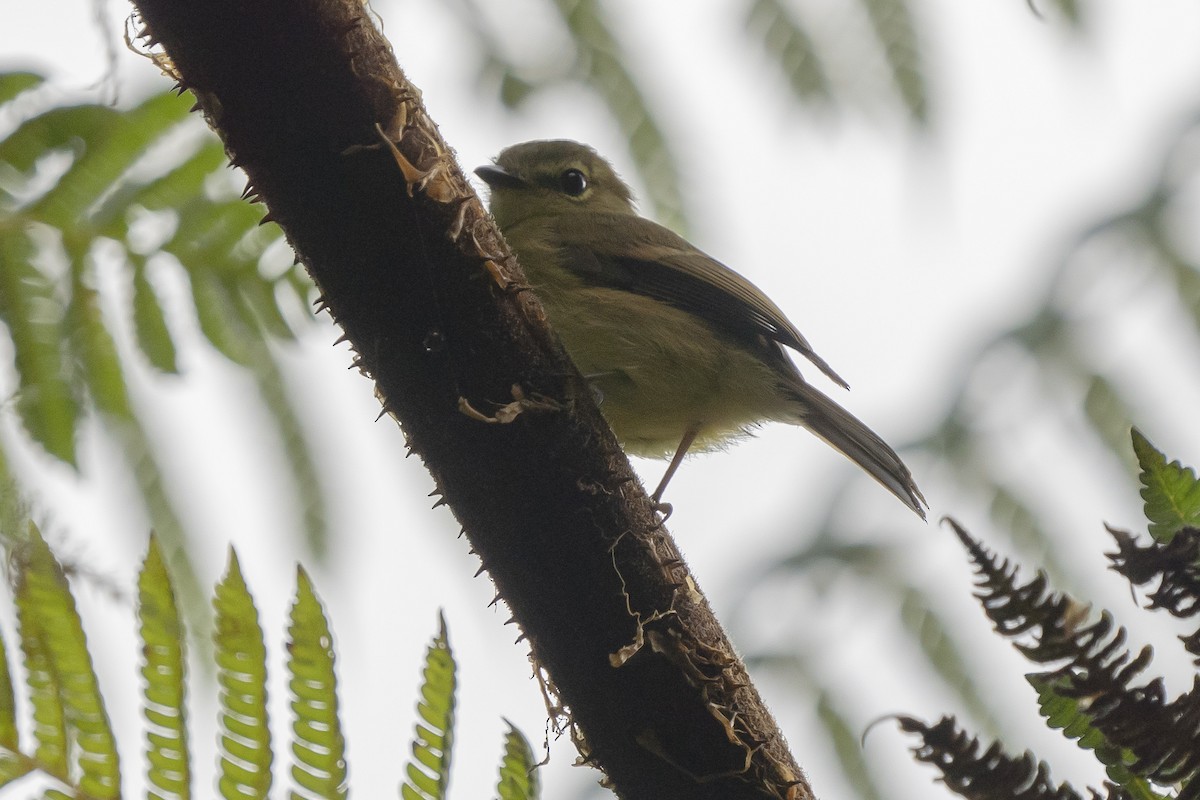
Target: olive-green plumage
(682,350)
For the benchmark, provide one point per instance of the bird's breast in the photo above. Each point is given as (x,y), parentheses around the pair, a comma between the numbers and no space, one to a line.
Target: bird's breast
(659,370)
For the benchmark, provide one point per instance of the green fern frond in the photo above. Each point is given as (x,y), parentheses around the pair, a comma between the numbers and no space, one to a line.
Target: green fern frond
(245,740)
(84,176)
(96,360)
(786,41)
(599,64)
(1016,609)
(76,723)
(74,746)
(236,314)
(8,704)
(602,66)
(56,130)
(1065,711)
(1170,253)
(1087,688)
(219,237)
(102,159)
(518,770)
(428,774)
(319,747)
(271,386)
(164,694)
(49,719)
(1171,491)
(13,84)
(218,317)
(12,505)
(150,321)
(65,353)
(897,34)
(13,763)
(32,310)
(1071,10)
(875,564)
(179,189)
(1009,510)
(101,371)
(1109,414)
(13,767)
(943,654)
(847,746)
(1175,565)
(991,774)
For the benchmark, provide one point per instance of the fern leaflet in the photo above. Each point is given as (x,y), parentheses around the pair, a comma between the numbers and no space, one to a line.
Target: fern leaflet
(319,747)
(518,770)
(428,774)
(164,670)
(245,739)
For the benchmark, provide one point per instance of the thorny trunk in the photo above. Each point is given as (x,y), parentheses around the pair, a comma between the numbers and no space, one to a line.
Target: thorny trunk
(411,267)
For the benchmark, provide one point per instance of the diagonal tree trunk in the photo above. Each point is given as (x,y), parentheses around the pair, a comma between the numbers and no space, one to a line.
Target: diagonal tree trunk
(434,304)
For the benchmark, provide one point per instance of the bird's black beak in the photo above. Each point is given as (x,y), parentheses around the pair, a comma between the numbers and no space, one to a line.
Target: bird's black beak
(498,178)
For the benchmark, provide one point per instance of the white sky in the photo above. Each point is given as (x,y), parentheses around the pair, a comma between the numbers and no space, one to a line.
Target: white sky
(894,255)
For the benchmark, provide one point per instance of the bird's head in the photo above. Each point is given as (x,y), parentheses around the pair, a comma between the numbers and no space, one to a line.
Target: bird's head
(554,177)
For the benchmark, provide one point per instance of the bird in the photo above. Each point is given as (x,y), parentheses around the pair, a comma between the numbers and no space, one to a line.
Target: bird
(682,353)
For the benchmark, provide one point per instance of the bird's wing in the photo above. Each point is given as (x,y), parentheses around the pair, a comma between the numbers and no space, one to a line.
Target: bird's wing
(643,257)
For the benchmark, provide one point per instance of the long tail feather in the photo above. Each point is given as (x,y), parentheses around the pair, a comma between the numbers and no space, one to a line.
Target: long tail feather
(860,444)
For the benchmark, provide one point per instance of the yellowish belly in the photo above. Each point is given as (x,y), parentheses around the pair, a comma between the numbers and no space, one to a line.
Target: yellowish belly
(658,371)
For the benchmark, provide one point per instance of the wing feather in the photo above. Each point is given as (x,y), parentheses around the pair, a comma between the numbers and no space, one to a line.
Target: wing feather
(647,259)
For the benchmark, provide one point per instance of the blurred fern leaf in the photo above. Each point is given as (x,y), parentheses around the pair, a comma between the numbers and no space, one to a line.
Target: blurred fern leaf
(518,770)
(87,191)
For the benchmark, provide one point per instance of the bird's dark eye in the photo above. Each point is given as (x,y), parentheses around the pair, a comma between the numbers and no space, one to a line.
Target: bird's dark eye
(573,182)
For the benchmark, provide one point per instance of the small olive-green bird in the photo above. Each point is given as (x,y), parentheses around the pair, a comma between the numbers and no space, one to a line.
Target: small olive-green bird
(684,353)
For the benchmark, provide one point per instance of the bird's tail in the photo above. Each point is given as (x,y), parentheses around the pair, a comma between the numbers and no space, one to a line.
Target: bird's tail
(860,444)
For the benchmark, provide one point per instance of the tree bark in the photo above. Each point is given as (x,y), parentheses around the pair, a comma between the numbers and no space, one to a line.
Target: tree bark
(414,271)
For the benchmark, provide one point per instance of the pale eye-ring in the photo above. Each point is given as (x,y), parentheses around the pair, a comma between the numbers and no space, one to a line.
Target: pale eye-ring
(573,182)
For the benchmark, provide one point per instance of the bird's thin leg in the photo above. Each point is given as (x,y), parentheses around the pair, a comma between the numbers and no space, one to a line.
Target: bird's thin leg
(689,436)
